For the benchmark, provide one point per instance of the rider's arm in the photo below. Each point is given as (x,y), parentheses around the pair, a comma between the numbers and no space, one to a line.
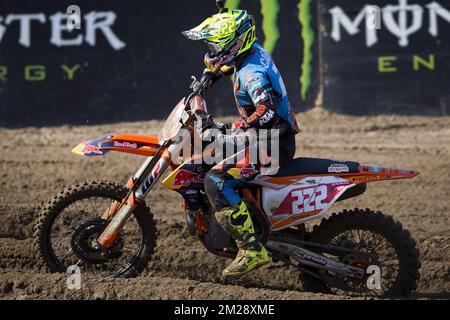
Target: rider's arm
(262,95)
(210,77)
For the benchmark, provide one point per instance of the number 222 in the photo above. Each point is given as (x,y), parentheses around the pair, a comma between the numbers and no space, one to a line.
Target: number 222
(309,199)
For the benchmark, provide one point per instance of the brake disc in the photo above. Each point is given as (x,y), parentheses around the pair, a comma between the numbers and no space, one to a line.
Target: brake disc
(86,247)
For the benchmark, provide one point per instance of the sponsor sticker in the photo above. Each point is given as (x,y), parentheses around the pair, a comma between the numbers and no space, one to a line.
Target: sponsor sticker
(185,178)
(87,150)
(125,145)
(338,168)
(248,172)
(376,169)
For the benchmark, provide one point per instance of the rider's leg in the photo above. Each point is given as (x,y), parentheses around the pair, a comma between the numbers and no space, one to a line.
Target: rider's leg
(233,215)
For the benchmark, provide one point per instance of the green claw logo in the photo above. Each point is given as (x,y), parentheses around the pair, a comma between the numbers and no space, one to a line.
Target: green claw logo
(270,10)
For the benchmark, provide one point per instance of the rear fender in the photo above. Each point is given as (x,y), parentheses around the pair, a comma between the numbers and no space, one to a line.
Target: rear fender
(376,173)
(126,143)
(363,175)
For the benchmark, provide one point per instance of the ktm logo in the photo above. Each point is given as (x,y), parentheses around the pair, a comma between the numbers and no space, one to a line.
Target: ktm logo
(266,118)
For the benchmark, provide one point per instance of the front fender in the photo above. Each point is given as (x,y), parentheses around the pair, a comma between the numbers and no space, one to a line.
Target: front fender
(126,143)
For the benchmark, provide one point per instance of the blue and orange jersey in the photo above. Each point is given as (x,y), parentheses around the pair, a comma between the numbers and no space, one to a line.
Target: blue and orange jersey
(260,92)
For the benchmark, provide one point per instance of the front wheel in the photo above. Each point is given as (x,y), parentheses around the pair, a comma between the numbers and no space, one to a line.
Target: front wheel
(69,224)
(383,243)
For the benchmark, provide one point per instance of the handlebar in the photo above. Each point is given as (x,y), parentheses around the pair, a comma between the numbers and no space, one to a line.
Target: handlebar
(198,88)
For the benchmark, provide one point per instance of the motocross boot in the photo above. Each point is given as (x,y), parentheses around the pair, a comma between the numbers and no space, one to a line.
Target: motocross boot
(252,253)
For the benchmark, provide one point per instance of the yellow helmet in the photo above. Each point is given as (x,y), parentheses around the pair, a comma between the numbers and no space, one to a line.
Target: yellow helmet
(228,34)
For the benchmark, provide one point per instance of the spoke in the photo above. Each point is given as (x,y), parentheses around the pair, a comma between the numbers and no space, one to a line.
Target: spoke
(101,203)
(378,243)
(387,282)
(66,254)
(395,258)
(364,235)
(76,206)
(93,208)
(85,208)
(110,204)
(358,232)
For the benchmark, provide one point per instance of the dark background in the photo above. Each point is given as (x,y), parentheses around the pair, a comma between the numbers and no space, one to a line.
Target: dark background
(352,82)
(142,81)
(151,74)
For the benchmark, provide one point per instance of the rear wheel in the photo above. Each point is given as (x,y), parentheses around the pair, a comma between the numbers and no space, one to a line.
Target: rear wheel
(70,223)
(377,240)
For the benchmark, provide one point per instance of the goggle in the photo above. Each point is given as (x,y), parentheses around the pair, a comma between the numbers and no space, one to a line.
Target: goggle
(214,48)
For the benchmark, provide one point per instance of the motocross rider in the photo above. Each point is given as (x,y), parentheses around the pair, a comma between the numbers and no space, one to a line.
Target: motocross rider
(262,102)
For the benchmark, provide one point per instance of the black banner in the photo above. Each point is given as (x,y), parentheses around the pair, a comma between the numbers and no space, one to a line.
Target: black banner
(129,61)
(393,61)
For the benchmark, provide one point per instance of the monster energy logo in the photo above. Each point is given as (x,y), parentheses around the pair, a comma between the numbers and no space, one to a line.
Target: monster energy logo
(270,10)
(409,20)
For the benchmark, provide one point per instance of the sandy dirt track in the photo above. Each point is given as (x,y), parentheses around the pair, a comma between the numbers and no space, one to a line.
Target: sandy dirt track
(37,163)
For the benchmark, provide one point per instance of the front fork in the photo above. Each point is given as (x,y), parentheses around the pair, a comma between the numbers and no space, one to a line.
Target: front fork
(140,185)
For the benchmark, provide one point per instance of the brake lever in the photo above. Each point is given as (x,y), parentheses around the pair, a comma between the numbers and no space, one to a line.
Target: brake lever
(199,87)
(194,83)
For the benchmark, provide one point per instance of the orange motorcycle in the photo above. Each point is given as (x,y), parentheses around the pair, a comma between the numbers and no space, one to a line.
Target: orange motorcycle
(105,228)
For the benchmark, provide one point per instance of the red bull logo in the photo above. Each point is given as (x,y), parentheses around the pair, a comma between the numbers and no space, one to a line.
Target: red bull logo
(248,172)
(125,145)
(185,178)
(87,150)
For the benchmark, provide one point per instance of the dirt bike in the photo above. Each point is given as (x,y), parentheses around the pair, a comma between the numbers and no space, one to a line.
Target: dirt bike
(105,228)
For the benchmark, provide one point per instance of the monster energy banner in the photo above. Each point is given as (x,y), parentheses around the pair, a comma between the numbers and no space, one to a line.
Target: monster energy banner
(128,60)
(389,56)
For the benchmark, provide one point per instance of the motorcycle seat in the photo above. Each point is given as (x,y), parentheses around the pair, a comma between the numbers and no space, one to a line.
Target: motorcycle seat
(301,166)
